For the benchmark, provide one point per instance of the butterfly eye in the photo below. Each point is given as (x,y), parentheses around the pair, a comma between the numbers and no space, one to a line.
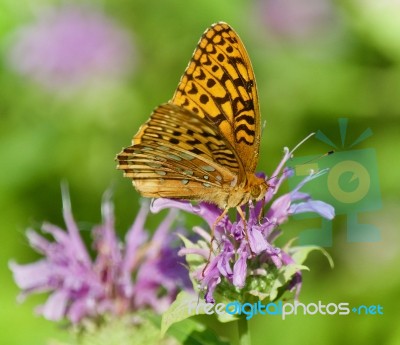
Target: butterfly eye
(255,191)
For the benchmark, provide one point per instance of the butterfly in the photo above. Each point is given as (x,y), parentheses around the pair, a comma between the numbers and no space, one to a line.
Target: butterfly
(203,145)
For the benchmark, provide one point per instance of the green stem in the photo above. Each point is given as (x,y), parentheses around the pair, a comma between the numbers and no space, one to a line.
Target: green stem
(244,334)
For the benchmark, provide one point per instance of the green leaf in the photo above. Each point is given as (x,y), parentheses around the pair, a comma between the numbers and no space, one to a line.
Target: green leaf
(193,260)
(284,276)
(178,310)
(300,254)
(137,328)
(191,331)
(176,321)
(225,317)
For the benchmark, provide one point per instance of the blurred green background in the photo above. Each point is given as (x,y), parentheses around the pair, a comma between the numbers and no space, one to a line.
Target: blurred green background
(65,113)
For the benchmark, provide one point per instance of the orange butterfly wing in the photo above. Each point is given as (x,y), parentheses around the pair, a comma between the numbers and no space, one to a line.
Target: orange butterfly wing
(176,154)
(219,85)
(203,144)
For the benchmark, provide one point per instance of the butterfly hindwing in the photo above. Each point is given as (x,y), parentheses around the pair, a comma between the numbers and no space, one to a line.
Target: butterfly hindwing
(176,154)
(219,85)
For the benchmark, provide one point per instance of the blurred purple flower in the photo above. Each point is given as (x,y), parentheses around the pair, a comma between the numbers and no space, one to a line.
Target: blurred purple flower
(69,46)
(296,19)
(81,287)
(236,256)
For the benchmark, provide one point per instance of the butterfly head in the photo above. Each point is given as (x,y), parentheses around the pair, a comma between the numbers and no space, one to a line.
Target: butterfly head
(258,188)
(254,189)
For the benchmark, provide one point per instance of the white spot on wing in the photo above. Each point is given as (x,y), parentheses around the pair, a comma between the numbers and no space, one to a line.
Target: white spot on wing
(207,168)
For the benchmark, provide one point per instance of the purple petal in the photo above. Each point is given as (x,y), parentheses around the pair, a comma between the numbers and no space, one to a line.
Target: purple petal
(160,236)
(38,242)
(160,204)
(208,212)
(323,209)
(55,306)
(240,271)
(296,195)
(256,240)
(223,263)
(80,309)
(211,288)
(309,178)
(211,270)
(60,236)
(287,155)
(75,238)
(275,258)
(203,233)
(134,238)
(276,183)
(31,276)
(279,210)
(106,244)
(110,246)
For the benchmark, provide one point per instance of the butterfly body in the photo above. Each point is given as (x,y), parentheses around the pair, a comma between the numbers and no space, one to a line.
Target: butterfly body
(229,196)
(203,145)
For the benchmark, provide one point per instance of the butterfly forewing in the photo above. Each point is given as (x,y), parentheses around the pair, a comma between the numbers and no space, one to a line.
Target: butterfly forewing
(176,154)
(219,85)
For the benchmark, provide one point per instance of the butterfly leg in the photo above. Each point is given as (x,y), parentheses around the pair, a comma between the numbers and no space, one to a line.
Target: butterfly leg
(240,211)
(241,214)
(222,215)
(262,212)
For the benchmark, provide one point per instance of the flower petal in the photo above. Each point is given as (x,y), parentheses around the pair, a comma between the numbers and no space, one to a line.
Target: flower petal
(55,306)
(32,276)
(134,238)
(257,240)
(279,210)
(323,209)
(211,288)
(240,271)
(208,212)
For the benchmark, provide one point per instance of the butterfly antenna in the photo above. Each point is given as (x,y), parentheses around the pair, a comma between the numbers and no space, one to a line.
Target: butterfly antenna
(302,142)
(319,157)
(309,161)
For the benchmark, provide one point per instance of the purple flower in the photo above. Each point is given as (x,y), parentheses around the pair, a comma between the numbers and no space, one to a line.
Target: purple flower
(297,20)
(82,287)
(69,46)
(244,253)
